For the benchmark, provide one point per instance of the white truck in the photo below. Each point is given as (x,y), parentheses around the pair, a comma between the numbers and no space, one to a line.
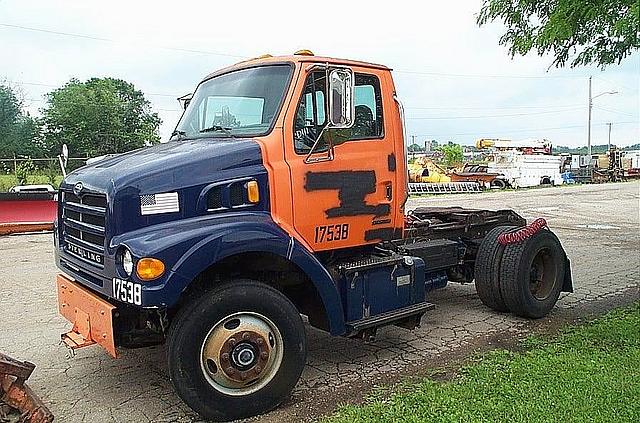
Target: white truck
(526,170)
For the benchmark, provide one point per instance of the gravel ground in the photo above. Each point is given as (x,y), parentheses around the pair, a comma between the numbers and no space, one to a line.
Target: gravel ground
(597,224)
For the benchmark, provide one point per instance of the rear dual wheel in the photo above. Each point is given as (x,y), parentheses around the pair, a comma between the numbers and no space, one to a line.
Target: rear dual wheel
(525,278)
(236,351)
(532,274)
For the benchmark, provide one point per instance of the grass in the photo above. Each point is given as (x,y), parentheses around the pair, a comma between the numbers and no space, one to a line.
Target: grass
(587,373)
(8,181)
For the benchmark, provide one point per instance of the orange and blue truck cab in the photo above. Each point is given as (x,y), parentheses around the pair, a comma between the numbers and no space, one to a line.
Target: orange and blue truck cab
(282,188)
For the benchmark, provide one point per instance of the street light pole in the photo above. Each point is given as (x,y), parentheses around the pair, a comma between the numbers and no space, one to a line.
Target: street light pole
(589,121)
(609,142)
(589,124)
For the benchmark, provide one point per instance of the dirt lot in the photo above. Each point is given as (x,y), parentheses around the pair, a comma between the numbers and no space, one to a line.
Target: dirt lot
(597,224)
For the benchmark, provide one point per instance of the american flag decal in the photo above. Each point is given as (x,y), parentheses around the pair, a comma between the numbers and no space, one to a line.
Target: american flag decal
(159,203)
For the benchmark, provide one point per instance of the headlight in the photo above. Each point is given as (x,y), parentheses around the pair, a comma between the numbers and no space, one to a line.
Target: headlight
(127,262)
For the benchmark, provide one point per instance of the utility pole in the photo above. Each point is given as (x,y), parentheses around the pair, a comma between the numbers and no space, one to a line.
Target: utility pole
(609,142)
(413,142)
(589,125)
(589,122)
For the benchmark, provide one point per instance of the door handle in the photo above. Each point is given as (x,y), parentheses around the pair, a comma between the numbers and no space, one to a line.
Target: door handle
(389,191)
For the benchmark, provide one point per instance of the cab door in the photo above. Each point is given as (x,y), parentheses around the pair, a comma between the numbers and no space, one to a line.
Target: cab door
(343,179)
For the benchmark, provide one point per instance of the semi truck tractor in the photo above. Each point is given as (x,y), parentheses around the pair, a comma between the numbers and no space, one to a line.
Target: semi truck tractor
(279,200)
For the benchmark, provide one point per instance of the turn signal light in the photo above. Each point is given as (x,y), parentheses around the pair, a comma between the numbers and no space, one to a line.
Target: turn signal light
(253,194)
(149,268)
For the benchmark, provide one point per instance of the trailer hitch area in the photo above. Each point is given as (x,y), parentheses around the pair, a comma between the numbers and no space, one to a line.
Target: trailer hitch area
(17,395)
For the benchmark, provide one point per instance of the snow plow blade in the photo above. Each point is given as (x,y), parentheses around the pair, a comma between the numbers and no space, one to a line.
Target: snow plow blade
(17,395)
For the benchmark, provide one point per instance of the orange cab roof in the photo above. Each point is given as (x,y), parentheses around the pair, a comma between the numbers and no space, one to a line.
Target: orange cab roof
(297,58)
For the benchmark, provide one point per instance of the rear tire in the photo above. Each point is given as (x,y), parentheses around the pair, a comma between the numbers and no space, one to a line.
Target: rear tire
(498,184)
(236,351)
(487,269)
(532,274)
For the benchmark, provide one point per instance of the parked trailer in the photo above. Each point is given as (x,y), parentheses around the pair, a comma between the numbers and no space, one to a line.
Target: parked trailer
(281,193)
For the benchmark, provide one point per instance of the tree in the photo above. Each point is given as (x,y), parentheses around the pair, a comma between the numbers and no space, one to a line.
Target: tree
(415,148)
(452,154)
(18,130)
(600,32)
(99,116)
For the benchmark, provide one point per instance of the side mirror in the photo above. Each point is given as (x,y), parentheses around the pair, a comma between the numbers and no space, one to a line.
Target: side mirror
(341,101)
(185,100)
(63,158)
(65,153)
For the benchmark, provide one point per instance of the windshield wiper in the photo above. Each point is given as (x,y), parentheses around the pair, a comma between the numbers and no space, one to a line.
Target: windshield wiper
(215,128)
(181,134)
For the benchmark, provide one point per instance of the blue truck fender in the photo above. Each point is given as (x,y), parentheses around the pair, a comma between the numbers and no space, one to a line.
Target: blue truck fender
(191,246)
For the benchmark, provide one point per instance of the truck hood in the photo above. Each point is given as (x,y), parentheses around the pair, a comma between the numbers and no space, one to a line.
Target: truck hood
(168,166)
(184,167)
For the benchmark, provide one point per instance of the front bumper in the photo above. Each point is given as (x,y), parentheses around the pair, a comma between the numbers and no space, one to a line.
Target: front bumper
(92,317)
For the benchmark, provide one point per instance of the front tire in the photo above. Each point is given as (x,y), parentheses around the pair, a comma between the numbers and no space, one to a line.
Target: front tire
(236,350)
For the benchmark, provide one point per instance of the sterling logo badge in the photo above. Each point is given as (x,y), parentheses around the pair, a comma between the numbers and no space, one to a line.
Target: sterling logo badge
(77,188)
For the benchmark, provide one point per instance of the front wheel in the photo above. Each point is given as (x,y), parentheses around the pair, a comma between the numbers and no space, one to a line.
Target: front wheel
(236,350)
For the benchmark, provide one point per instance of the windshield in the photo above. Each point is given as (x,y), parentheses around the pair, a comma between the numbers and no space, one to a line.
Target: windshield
(240,103)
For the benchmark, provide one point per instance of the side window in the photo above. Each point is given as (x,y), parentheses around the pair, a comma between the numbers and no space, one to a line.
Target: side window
(310,116)
(309,121)
(368,121)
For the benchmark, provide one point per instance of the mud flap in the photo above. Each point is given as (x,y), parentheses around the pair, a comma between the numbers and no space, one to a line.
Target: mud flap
(567,284)
(92,317)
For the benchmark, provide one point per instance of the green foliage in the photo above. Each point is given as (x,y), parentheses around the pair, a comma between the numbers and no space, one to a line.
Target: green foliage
(99,116)
(452,154)
(589,373)
(414,148)
(601,32)
(23,170)
(18,130)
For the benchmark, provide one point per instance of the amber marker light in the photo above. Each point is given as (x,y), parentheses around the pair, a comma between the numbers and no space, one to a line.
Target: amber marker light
(149,268)
(253,194)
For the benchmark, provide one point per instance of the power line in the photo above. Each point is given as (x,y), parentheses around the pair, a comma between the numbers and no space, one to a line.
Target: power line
(490,116)
(188,50)
(93,103)
(463,75)
(95,38)
(491,108)
(521,130)
(616,84)
(40,84)
(613,111)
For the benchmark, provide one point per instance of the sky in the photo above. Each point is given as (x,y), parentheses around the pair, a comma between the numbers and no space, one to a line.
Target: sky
(456,82)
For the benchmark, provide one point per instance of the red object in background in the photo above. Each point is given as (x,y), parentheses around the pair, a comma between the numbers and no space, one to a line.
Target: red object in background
(21,212)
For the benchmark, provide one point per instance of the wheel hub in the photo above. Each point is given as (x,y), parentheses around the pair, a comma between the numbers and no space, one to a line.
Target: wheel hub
(241,353)
(244,355)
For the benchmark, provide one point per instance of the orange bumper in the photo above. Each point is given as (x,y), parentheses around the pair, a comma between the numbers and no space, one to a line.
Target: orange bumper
(92,317)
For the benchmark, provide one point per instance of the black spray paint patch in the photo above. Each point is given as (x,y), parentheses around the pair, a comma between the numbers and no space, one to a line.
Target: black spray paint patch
(383,234)
(353,187)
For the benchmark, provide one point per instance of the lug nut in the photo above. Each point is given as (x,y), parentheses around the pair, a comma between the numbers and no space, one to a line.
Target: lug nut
(225,356)
(257,369)
(243,375)
(230,370)
(231,342)
(264,355)
(259,341)
(246,336)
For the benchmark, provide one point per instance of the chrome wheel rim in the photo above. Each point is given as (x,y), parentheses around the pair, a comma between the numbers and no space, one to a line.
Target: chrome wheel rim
(241,353)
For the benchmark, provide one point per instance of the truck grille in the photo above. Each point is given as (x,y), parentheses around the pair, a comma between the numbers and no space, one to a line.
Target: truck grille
(83,220)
